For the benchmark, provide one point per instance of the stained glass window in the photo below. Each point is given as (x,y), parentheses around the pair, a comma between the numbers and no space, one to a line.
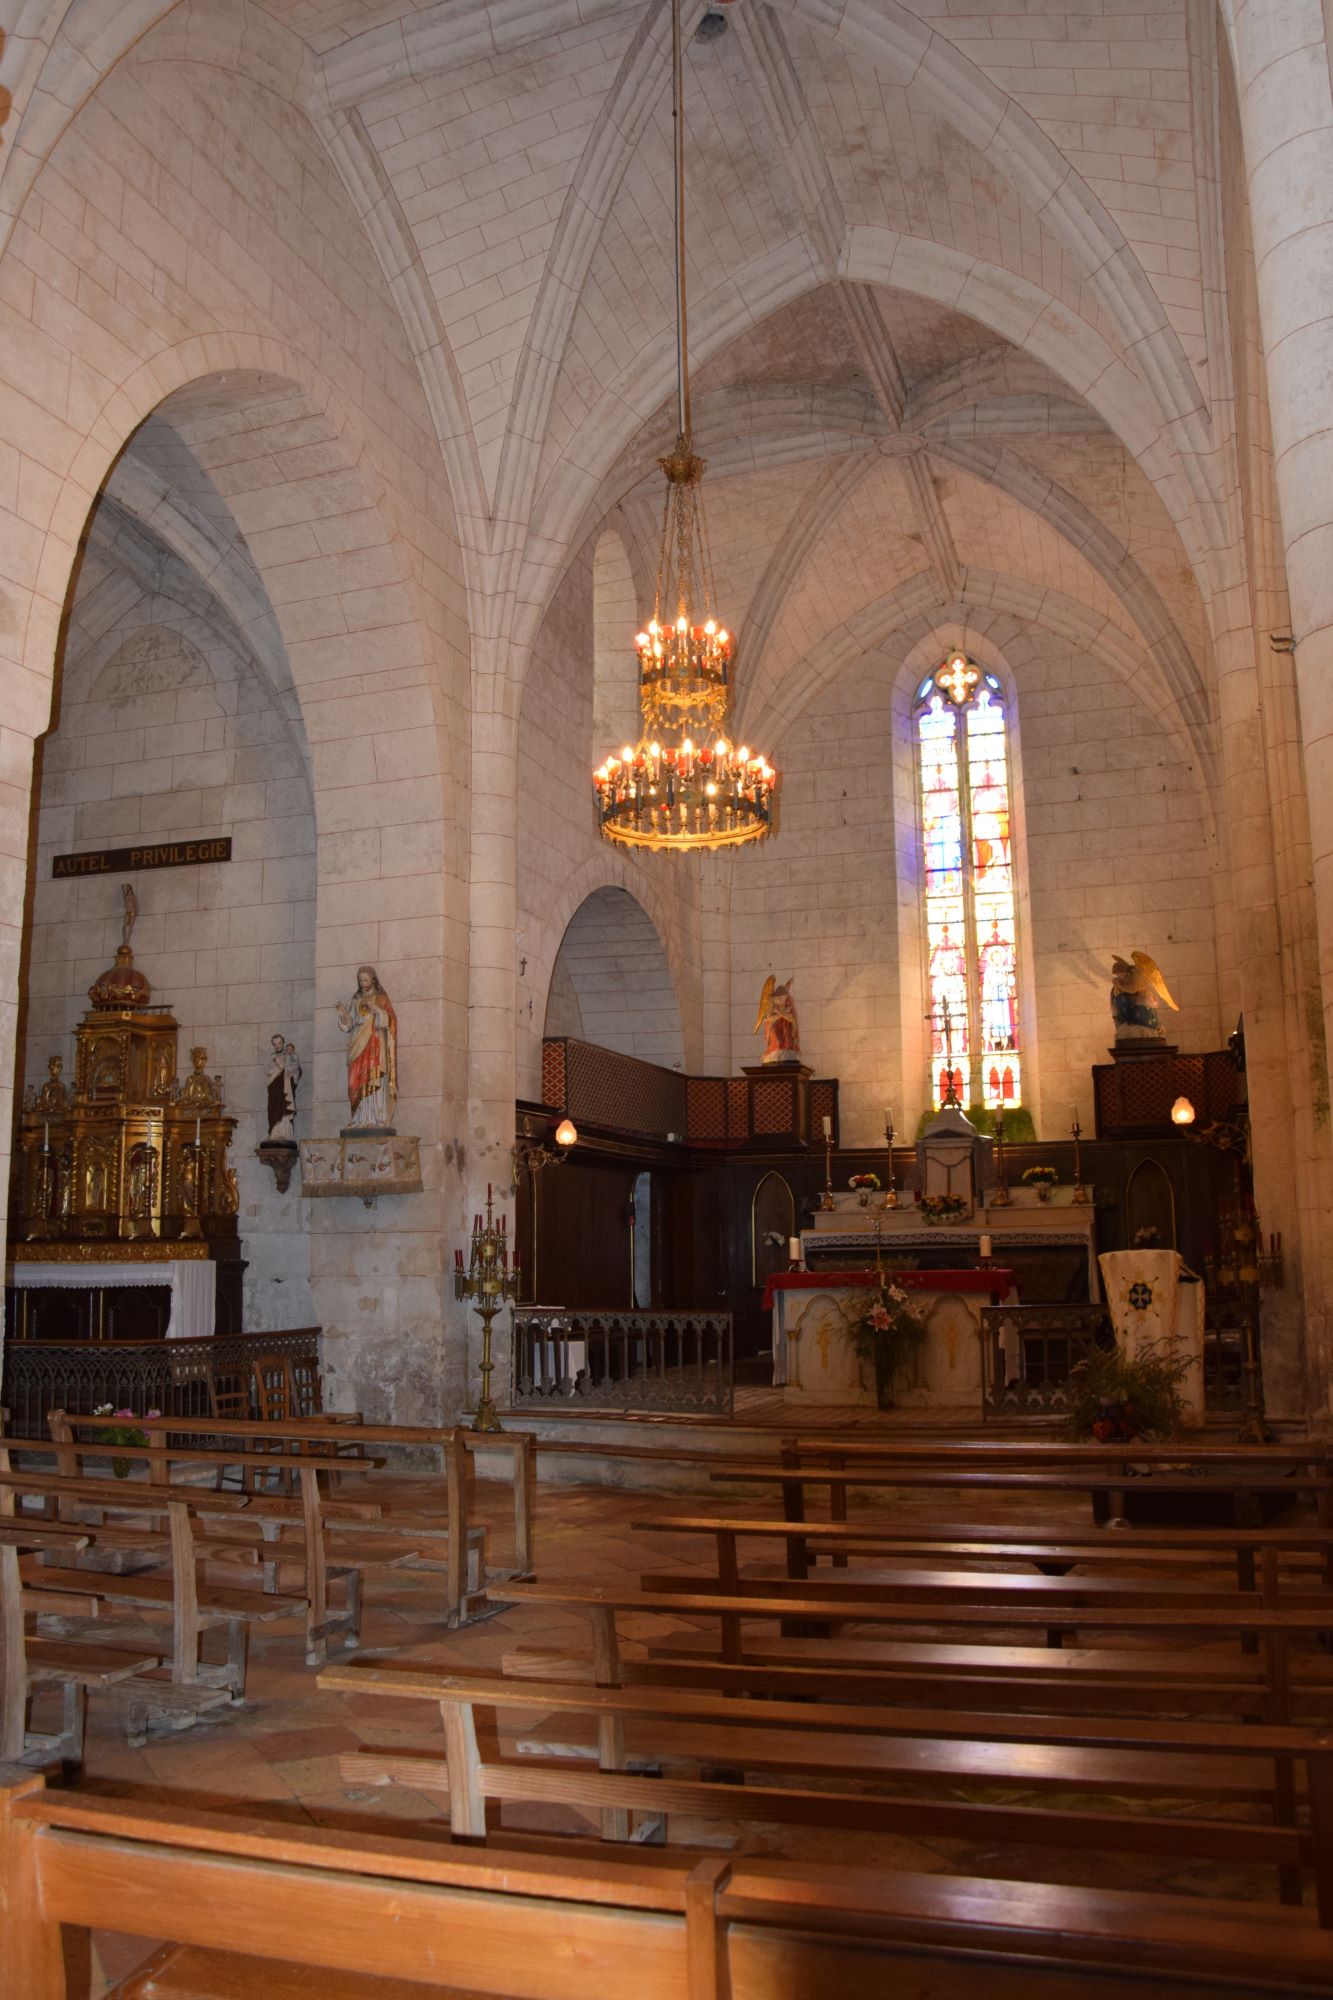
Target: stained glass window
(967,847)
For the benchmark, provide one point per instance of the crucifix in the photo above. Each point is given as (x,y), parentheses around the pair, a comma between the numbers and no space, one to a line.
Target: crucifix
(946,1019)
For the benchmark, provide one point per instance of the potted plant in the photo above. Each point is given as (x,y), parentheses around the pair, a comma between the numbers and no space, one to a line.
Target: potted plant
(885,1331)
(1113,1400)
(123,1430)
(864,1185)
(942,1207)
(1043,1179)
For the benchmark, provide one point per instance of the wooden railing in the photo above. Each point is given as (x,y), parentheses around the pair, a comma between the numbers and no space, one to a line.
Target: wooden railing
(1031,1380)
(172,1376)
(623,1360)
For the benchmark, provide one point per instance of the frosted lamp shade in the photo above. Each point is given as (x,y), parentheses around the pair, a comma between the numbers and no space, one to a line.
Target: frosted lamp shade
(1182,1112)
(566,1133)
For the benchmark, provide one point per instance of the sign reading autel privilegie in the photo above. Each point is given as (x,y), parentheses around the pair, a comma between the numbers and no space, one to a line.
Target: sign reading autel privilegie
(159,854)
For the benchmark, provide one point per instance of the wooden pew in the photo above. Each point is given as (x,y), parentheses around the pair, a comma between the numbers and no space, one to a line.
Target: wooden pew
(906,1766)
(1273,1631)
(447,1514)
(249,1903)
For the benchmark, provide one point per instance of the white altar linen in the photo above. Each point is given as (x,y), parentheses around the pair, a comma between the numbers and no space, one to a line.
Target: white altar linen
(1155,1305)
(193,1284)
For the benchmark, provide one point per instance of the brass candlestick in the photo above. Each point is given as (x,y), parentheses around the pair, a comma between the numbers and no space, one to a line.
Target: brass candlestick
(1000,1199)
(491,1282)
(826,1199)
(891,1198)
(1080,1192)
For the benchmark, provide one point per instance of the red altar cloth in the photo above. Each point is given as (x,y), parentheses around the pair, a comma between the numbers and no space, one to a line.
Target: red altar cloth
(997,1280)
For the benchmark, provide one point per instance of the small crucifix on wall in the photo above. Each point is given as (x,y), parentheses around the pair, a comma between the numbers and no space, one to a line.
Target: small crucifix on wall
(950,1074)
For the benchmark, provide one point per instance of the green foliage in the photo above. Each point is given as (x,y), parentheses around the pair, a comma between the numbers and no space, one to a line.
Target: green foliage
(1019,1129)
(1113,1400)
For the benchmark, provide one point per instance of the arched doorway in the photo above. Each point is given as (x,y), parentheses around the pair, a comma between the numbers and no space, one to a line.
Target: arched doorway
(611,983)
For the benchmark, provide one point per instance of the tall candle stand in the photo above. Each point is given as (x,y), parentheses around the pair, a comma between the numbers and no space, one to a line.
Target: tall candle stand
(891,1198)
(1080,1192)
(490,1280)
(826,1200)
(1000,1198)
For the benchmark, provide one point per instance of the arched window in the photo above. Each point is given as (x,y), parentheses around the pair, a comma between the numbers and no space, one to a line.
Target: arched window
(967,851)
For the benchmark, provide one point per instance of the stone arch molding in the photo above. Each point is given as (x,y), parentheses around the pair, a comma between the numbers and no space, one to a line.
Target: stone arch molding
(606,870)
(914,612)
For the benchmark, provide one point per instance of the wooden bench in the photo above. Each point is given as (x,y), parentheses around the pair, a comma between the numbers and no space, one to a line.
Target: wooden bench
(29,1663)
(909,1771)
(248,1904)
(465,1561)
(1273,1631)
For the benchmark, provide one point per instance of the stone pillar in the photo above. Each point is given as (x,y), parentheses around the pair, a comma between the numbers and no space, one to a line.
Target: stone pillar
(1286,108)
(492,998)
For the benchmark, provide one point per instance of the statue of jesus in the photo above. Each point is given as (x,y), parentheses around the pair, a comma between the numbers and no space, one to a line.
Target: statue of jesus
(371,1027)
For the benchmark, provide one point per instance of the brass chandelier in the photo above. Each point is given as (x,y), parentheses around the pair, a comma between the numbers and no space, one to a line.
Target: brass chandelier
(684,785)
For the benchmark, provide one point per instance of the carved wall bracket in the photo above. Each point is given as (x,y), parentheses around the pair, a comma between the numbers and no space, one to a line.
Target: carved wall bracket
(280,1157)
(366,1167)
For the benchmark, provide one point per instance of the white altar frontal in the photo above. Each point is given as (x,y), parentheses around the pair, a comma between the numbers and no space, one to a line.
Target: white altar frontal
(813,1359)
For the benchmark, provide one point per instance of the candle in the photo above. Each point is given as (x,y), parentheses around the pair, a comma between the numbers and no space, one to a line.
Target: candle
(985,1246)
(197,1125)
(828,1128)
(46,1137)
(488,1194)
(888,1118)
(794,1249)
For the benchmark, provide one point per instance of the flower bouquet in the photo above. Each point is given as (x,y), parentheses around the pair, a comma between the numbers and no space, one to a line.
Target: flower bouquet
(1115,1401)
(1043,1179)
(864,1185)
(885,1330)
(942,1207)
(123,1430)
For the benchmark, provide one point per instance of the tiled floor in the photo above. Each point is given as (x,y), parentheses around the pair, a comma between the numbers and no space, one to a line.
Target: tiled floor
(279,1752)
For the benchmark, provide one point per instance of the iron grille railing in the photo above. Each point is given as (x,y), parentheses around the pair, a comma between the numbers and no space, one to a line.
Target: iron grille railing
(173,1376)
(1028,1352)
(665,1361)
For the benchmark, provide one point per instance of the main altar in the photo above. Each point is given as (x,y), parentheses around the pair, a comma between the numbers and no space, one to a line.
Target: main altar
(957,1244)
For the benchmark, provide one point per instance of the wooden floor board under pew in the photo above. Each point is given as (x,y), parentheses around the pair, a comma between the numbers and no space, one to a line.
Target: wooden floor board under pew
(907,1767)
(29,1664)
(464,1563)
(545,1926)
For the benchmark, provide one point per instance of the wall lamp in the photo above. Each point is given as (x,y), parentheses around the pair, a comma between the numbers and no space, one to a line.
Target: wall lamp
(531,1157)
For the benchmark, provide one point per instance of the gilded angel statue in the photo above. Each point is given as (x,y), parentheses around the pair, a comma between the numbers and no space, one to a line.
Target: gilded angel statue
(1135,991)
(777,1020)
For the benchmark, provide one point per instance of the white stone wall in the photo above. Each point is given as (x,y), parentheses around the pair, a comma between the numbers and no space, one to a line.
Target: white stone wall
(169,732)
(1118,858)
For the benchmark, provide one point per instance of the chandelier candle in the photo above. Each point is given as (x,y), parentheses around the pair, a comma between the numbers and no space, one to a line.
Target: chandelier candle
(666,792)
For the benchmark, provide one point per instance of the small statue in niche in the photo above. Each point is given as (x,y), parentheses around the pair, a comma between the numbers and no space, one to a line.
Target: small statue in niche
(131,902)
(1135,990)
(284,1073)
(52,1100)
(371,1027)
(777,1019)
(199,1091)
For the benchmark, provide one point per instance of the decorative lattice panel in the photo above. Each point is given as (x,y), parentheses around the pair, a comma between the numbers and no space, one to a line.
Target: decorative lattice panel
(603,1087)
(553,1075)
(1137,1095)
(823,1104)
(774,1105)
(706,1110)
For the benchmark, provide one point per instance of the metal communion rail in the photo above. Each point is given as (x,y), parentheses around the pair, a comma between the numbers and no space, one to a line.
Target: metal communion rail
(178,1377)
(622,1360)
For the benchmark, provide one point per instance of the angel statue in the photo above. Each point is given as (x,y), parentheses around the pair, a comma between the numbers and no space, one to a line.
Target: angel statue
(1135,992)
(777,1018)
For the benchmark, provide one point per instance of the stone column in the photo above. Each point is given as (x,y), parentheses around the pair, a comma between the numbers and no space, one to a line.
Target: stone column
(1286,106)
(492,995)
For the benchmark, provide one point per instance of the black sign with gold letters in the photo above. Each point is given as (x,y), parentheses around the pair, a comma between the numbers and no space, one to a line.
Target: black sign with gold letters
(152,854)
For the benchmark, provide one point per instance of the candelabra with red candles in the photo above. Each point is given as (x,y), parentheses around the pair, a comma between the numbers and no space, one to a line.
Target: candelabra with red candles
(490,1279)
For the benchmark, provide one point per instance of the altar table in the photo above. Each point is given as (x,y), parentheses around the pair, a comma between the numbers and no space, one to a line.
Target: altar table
(813,1358)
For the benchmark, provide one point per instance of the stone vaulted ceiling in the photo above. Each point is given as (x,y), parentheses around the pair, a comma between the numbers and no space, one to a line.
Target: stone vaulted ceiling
(949,336)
